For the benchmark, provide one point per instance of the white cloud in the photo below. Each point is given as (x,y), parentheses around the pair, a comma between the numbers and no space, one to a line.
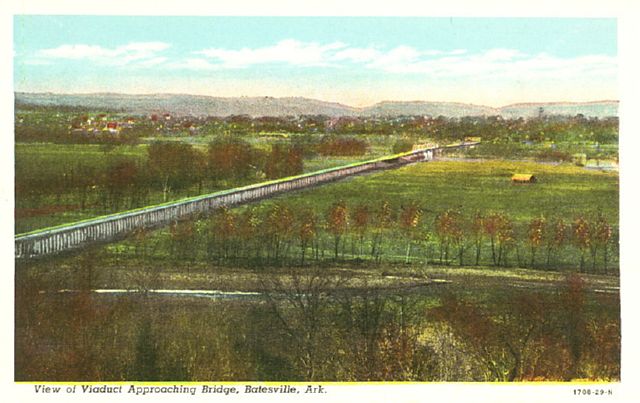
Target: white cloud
(505,63)
(141,53)
(431,63)
(356,55)
(312,54)
(76,52)
(458,52)
(194,64)
(288,51)
(297,53)
(152,62)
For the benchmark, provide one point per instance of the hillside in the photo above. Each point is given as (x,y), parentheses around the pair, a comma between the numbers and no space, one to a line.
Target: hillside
(448,109)
(199,105)
(593,109)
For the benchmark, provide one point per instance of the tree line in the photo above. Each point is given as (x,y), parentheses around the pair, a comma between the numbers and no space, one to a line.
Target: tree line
(170,169)
(284,235)
(49,126)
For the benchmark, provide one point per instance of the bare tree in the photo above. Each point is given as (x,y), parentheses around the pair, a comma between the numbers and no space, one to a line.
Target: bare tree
(301,303)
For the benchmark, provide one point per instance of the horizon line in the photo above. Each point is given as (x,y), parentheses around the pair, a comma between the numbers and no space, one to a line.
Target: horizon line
(522,103)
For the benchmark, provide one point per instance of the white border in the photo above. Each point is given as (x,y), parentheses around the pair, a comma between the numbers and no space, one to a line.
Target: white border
(627,12)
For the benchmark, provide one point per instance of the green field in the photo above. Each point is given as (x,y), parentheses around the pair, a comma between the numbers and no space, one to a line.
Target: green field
(562,190)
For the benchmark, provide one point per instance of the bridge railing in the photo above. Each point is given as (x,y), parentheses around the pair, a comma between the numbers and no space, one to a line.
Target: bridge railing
(60,238)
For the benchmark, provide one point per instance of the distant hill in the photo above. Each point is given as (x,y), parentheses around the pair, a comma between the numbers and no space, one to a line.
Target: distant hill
(200,105)
(448,109)
(598,109)
(190,104)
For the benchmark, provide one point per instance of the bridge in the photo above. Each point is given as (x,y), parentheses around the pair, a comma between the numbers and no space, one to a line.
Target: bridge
(53,240)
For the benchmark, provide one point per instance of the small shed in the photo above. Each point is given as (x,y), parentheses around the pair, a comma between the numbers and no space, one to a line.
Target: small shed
(523,178)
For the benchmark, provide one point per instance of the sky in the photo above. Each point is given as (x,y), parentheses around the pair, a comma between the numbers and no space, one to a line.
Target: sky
(357,61)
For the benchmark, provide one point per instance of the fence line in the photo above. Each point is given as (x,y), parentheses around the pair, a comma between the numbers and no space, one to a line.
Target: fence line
(57,239)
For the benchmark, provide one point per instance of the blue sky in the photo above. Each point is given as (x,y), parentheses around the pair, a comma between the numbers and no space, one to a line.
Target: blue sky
(353,60)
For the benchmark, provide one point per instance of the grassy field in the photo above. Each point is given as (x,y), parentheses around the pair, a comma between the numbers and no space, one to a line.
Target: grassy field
(562,190)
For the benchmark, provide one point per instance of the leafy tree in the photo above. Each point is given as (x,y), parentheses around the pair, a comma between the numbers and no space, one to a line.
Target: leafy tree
(402,354)
(230,159)
(448,229)
(279,225)
(477,232)
(500,231)
(536,235)
(409,219)
(360,218)
(307,231)
(498,339)
(284,161)
(492,225)
(199,173)
(223,229)
(402,145)
(342,146)
(582,237)
(556,238)
(248,232)
(337,223)
(383,221)
(183,240)
(602,238)
(173,164)
(458,236)
(506,239)
(120,179)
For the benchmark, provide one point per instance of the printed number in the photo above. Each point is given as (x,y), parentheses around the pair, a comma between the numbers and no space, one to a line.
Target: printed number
(595,392)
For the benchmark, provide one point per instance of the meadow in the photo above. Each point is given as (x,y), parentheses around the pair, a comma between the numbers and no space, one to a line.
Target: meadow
(562,189)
